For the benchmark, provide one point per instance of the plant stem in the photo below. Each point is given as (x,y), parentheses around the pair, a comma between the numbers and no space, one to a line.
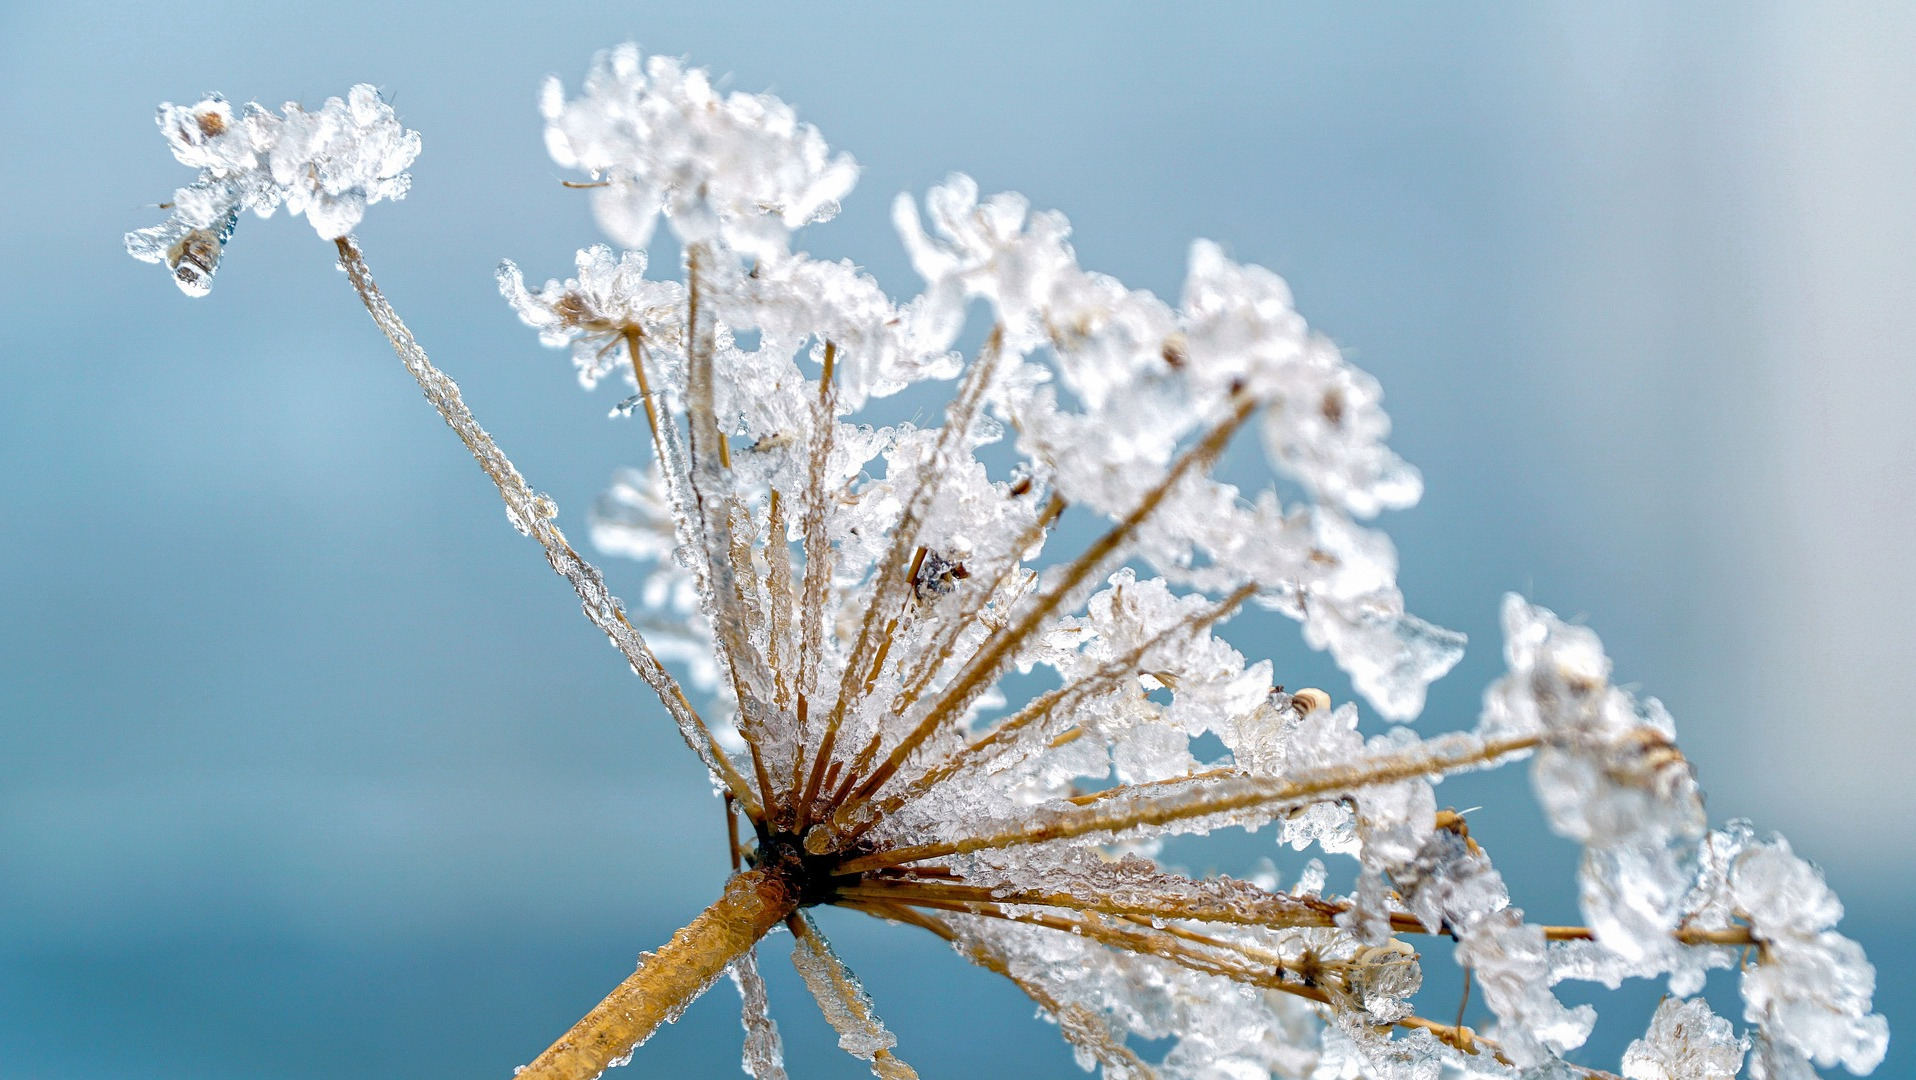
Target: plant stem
(670,979)
(532,513)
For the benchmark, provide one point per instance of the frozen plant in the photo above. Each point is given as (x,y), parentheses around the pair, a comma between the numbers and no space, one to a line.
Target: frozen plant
(845,601)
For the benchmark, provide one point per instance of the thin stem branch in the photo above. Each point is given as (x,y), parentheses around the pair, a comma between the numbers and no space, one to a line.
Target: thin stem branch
(532,515)
(1080,1025)
(1010,733)
(1276,910)
(1180,802)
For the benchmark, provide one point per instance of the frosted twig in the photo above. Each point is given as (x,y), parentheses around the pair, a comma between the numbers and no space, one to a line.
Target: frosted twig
(890,589)
(1080,1025)
(532,514)
(669,980)
(1269,910)
(993,590)
(1183,802)
(816,581)
(843,1001)
(1010,734)
(764,1052)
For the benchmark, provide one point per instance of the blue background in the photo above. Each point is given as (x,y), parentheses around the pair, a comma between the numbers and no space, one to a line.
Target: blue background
(310,768)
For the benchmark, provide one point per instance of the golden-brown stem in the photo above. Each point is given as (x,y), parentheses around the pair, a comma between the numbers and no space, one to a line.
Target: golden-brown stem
(1181,804)
(668,980)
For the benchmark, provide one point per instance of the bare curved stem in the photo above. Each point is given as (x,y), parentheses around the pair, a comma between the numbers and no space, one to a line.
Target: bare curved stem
(668,980)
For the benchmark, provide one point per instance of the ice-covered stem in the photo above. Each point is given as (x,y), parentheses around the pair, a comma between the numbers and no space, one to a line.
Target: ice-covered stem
(1175,803)
(1005,735)
(670,979)
(1269,910)
(1080,1025)
(532,514)
(891,593)
(843,1001)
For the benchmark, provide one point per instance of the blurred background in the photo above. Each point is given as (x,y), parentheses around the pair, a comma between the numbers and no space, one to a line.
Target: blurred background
(310,768)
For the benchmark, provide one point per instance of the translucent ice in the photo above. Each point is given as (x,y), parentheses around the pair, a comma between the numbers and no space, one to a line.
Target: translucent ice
(328,163)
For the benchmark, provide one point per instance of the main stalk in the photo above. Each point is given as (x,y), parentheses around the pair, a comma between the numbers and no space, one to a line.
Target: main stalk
(668,980)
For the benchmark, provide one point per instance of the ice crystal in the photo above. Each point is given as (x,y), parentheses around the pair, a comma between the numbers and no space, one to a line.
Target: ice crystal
(1686,1041)
(1608,775)
(328,163)
(739,168)
(851,600)
(1811,992)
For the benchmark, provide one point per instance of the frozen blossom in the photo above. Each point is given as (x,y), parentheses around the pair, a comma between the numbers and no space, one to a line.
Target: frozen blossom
(1608,775)
(595,311)
(971,672)
(1811,987)
(738,167)
(328,163)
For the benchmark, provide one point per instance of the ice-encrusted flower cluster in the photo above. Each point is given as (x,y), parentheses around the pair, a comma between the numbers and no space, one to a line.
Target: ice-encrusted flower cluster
(1608,776)
(1810,994)
(328,163)
(738,168)
(934,584)
(859,603)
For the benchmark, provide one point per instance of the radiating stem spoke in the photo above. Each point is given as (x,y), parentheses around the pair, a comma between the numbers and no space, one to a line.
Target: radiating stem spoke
(988,663)
(533,514)
(1180,801)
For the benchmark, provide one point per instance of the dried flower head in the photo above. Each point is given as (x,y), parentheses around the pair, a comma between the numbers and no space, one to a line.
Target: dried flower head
(849,599)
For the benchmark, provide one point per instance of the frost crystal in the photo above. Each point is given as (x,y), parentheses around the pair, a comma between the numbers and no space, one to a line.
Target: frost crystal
(329,164)
(738,168)
(1686,1041)
(1608,775)
(929,713)
(1811,990)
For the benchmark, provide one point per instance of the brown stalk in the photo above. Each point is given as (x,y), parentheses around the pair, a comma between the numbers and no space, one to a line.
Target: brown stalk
(891,587)
(1146,940)
(709,476)
(670,979)
(1003,735)
(1274,910)
(817,579)
(941,649)
(778,557)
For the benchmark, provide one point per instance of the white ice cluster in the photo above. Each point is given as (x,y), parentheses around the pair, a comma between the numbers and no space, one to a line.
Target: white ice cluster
(1608,776)
(1661,892)
(1810,990)
(856,594)
(1686,1041)
(965,669)
(328,163)
(738,169)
